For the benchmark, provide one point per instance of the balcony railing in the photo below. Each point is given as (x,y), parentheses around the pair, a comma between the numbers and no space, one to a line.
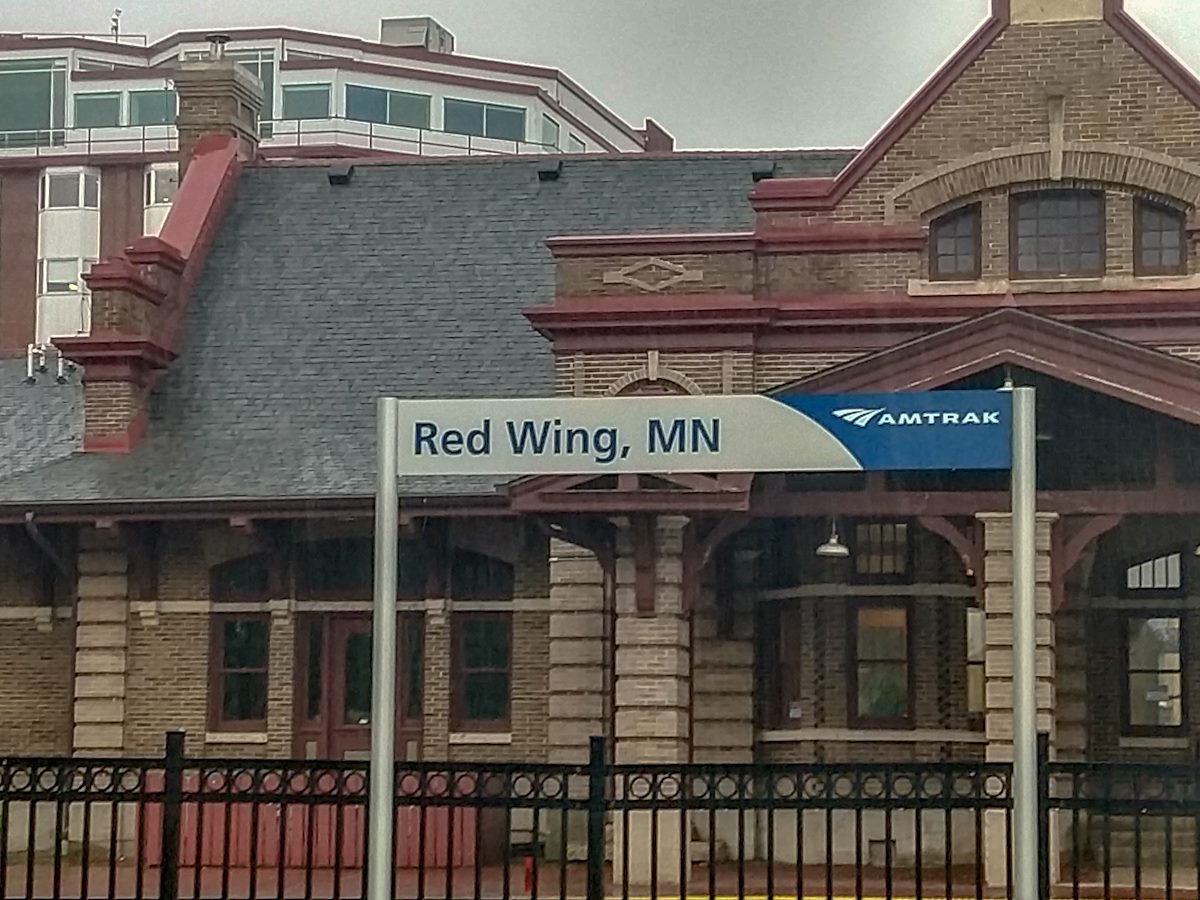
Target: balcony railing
(277,133)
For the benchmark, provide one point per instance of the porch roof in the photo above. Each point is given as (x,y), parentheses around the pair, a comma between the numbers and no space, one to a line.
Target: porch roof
(1141,376)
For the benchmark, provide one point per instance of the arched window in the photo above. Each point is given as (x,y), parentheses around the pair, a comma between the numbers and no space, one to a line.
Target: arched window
(954,245)
(474,576)
(1057,233)
(1161,575)
(1159,245)
(341,569)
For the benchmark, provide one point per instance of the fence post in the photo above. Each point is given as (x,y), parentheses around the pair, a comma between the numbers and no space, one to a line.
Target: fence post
(1043,767)
(595,835)
(168,878)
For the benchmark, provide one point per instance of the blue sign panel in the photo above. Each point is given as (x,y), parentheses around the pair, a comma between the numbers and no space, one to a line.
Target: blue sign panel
(927,430)
(723,433)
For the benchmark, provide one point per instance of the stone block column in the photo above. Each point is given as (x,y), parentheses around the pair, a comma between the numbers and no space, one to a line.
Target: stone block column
(101,645)
(653,696)
(998,661)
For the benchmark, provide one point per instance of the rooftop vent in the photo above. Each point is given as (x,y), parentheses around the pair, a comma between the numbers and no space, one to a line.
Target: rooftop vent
(416,31)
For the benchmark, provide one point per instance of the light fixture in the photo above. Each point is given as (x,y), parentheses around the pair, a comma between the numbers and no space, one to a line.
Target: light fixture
(833,548)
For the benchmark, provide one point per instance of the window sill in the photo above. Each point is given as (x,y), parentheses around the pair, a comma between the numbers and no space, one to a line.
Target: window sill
(236,737)
(873,735)
(1153,743)
(920,287)
(496,738)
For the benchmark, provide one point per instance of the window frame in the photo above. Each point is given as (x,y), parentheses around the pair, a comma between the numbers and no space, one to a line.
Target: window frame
(976,717)
(154,175)
(853,717)
(549,123)
(172,112)
(458,673)
(387,106)
(217,672)
(1157,612)
(975,212)
(780,674)
(1014,201)
(97,95)
(576,144)
(308,88)
(44,276)
(1151,594)
(486,107)
(87,189)
(1140,268)
(856,550)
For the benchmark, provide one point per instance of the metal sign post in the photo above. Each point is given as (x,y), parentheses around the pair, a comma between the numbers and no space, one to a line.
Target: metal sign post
(381,810)
(1024,536)
(940,430)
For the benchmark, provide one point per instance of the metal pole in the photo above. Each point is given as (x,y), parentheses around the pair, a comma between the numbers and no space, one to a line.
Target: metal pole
(381,811)
(1025,767)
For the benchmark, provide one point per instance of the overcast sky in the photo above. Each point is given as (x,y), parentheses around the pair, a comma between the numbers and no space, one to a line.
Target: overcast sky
(716,73)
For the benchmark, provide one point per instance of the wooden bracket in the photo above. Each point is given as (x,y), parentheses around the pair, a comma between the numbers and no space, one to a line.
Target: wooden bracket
(645,553)
(969,549)
(1069,550)
(700,546)
(590,532)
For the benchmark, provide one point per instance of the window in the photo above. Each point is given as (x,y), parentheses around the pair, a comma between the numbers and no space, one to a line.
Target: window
(976,656)
(245,578)
(70,190)
(879,683)
(368,104)
(779,668)
(33,96)
(954,245)
(152,107)
(1153,674)
(162,183)
(1159,244)
(306,101)
(1057,233)
(575,145)
(238,683)
(260,64)
(83,64)
(550,132)
(482,658)
(62,276)
(97,110)
(506,123)
(1162,574)
(881,551)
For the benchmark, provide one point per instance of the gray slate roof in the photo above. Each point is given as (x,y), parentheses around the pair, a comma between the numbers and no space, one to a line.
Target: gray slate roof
(317,299)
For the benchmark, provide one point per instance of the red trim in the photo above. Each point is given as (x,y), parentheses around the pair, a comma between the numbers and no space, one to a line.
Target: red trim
(826,193)
(125,73)
(1139,376)
(35,161)
(565,246)
(468,81)
(819,238)
(844,238)
(355,65)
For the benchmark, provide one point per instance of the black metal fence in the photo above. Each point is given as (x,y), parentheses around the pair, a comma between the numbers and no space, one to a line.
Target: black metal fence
(180,827)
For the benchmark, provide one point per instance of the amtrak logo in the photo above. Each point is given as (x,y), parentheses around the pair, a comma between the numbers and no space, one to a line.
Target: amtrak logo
(858,416)
(862,417)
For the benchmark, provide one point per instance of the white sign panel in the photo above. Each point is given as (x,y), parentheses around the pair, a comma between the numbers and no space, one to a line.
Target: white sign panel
(727,433)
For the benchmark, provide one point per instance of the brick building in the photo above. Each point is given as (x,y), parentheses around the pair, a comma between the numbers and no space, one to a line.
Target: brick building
(187,532)
(89,141)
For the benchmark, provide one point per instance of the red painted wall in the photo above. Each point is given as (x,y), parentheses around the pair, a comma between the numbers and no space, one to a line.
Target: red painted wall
(18,258)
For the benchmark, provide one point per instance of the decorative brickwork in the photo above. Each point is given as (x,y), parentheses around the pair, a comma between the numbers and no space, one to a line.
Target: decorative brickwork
(700,273)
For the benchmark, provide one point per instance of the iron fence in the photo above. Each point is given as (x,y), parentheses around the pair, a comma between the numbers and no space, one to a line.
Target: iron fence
(186,827)
(1120,829)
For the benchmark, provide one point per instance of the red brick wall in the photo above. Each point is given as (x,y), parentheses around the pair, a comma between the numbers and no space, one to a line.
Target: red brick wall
(18,257)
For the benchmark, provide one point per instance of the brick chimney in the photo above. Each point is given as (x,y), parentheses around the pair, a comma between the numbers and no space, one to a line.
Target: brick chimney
(216,96)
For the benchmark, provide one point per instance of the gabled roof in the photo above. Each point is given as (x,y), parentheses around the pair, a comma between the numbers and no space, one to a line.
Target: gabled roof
(409,280)
(826,193)
(1143,377)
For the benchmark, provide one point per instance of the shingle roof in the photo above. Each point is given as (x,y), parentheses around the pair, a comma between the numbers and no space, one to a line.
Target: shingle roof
(317,299)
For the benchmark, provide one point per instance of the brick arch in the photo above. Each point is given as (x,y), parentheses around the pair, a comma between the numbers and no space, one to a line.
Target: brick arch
(631,381)
(1096,161)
